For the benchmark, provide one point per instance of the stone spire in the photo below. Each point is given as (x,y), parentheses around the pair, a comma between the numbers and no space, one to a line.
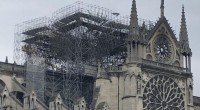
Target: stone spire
(162,9)
(6,61)
(134,28)
(134,38)
(183,36)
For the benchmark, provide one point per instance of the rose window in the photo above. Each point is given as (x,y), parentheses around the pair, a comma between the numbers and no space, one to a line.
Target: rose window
(163,48)
(162,93)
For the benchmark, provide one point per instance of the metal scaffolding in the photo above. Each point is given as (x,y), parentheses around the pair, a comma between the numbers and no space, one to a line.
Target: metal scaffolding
(35,75)
(78,37)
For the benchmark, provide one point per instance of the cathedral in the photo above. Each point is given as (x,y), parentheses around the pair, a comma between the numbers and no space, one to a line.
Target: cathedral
(155,73)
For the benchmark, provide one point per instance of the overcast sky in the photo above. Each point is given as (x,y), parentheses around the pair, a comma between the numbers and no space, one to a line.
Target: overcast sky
(16,11)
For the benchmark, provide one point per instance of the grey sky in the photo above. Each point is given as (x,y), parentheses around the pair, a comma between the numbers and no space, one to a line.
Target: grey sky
(16,11)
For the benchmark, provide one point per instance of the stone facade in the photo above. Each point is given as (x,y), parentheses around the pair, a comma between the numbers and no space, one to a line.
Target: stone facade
(13,93)
(157,72)
(123,87)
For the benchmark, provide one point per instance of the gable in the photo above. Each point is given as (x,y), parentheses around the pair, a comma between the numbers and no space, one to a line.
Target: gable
(168,54)
(158,29)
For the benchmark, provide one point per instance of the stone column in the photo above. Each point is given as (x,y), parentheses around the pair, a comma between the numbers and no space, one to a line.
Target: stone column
(186,63)
(189,61)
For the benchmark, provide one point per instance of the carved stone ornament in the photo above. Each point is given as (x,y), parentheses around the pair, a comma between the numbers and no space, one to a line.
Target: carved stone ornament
(162,93)
(181,84)
(146,76)
(190,82)
(148,49)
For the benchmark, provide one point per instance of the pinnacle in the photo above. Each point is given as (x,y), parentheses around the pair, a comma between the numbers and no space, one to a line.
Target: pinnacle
(134,28)
(162,9)
(183,31)
(6,61)
(183,36)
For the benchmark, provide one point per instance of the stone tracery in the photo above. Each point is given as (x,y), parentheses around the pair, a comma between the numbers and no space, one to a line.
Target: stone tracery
(162,93)
(162,48)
